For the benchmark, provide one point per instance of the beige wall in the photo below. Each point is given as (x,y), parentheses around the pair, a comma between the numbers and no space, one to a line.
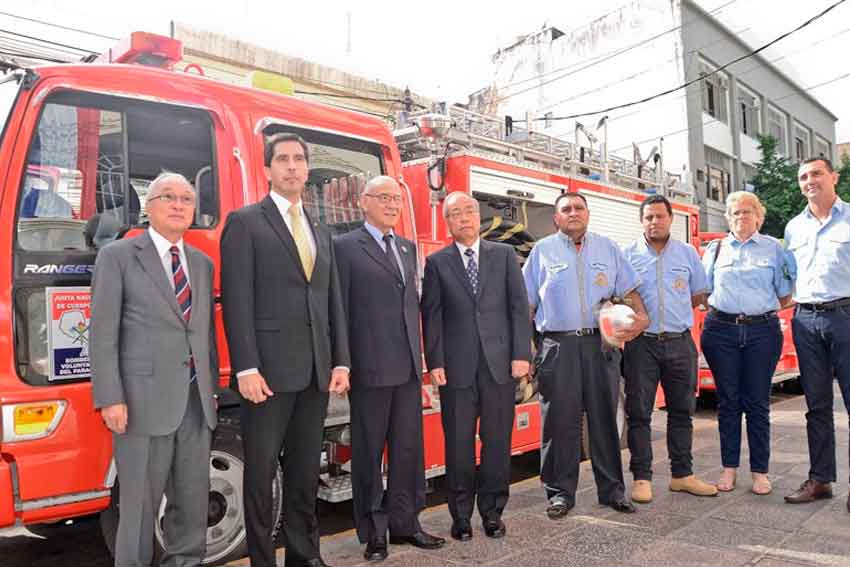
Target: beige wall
(230,60)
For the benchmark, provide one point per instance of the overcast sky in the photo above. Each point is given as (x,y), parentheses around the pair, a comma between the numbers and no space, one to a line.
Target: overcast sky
(440,48)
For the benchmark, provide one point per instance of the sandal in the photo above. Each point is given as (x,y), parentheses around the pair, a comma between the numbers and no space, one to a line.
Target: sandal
(761,484)
(726,483)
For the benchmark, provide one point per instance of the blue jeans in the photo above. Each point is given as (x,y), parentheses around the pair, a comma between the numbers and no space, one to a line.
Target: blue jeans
(823,350)
(743,359)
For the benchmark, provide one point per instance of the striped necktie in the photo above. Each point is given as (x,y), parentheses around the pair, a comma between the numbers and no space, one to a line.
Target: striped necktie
(183,292)
(181,284)
(301,242)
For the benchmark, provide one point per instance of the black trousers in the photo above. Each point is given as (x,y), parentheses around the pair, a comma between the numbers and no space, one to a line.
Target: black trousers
(293,422)
(492,405)
(391,416)
(575,374)
(673,362)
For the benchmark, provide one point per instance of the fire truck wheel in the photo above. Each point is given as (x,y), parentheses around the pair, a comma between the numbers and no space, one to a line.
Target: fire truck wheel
(226,521)
(621,426)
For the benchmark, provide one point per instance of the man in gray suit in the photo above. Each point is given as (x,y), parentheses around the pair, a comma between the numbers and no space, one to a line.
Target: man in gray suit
(154,367)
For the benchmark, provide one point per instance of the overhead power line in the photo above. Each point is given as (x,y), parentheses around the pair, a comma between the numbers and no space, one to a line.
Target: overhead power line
(743,73)
(46,41)
(701,77)
(58,26)
(713,120)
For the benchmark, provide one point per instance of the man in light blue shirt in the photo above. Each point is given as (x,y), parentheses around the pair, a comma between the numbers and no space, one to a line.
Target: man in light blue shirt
(819,241)
(567,276)
(672,284)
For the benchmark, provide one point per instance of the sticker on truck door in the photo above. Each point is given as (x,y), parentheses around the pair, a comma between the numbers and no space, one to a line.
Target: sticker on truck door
(69,317)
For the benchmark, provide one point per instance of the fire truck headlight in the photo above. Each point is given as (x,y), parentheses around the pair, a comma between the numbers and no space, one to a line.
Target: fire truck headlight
(25,422)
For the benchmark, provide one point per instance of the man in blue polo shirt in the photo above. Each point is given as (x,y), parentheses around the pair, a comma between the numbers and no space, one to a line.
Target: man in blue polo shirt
(568,275)
(819,241)
(672,284)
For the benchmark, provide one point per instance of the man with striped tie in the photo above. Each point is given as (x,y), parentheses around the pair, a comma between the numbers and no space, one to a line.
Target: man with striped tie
(154,368)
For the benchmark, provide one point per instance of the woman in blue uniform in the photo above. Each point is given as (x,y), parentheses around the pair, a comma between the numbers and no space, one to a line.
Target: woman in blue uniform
(749,278)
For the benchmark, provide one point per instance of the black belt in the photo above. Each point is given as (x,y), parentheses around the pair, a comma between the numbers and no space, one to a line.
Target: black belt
(826,306)
(742,318)
(573,333)
(667,336)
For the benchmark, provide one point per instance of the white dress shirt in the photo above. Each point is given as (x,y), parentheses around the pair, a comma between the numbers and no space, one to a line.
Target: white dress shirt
(283,206)
(475,247)
(163,248)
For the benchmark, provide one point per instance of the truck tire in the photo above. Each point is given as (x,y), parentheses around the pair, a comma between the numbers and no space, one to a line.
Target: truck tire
(226,538)
(621,426)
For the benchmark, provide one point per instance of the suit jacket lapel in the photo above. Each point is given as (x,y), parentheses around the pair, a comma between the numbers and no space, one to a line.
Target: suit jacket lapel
(198,283)
(322,243)
(277,223)
(152,265)
(373,250)
(456,263)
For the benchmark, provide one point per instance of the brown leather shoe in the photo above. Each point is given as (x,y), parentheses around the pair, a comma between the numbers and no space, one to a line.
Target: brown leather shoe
(810,491)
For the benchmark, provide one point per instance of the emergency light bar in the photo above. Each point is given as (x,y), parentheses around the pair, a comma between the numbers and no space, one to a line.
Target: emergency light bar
(144,48)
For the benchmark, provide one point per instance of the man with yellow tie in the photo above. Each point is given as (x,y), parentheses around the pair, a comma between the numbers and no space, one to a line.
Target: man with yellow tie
(288,342)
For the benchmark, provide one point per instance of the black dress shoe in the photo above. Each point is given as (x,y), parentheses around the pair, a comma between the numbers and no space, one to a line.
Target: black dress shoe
(461,530)
(376,549)
(558,510)
(317,562)
(623,505)
(420,539)
(494,527)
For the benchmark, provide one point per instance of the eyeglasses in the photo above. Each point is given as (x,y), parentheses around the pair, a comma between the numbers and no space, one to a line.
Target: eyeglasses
(171,199)
(385,199)
(467,212)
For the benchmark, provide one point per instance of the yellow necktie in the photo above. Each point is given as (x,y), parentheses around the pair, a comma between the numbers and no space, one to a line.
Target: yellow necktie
(301,241)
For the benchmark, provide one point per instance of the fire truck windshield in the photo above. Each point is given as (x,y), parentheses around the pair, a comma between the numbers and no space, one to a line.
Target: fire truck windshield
(90,162)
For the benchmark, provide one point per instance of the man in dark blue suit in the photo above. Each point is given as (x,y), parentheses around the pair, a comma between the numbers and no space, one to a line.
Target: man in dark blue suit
(378,276)
(477,341)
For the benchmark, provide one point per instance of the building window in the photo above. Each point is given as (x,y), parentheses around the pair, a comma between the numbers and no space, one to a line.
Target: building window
(801,142)
(822,148)
(719,180)
(777,126)
(715,94)
(748,112)
(750,173)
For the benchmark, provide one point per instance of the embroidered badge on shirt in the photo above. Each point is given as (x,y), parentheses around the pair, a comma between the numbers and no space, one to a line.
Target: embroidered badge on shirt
(680,284)
(601,279)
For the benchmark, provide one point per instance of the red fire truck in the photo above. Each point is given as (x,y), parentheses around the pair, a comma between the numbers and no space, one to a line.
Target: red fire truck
(79,146)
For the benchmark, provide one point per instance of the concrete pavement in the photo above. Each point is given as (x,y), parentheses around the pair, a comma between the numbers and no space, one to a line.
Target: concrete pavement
(737,528)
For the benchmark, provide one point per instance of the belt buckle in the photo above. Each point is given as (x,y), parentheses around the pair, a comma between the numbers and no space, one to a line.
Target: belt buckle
(742,319)
(579,332)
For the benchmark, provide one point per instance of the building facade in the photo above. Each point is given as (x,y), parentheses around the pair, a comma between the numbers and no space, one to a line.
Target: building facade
(707,133)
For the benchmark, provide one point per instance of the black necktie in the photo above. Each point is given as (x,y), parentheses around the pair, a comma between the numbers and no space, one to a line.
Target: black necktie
(388,239)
